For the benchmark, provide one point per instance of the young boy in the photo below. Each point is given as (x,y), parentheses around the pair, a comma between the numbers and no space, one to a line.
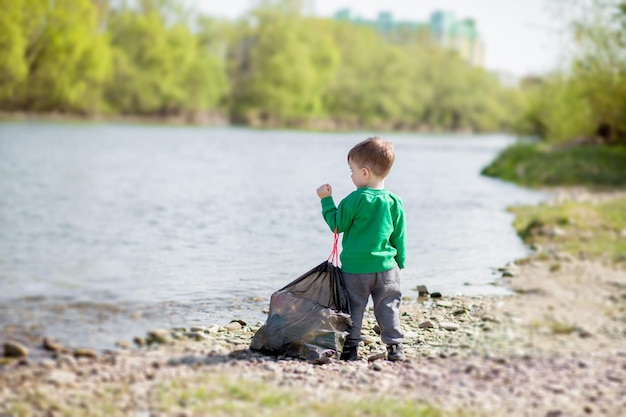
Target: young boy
(372,221)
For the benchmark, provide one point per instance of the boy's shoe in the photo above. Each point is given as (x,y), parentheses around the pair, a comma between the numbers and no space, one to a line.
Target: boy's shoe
(350,353)
(395,353)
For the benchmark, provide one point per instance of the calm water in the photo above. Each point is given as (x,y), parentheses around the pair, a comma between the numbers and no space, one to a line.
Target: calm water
(109,230)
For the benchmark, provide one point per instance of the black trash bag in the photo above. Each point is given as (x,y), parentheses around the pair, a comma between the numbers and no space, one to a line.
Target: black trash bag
(309,318)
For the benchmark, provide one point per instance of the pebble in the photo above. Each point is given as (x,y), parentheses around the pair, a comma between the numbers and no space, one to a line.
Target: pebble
(61,378)
(377,357)
(215,329)
(52,345)
(195,335)
(66,361)
(159,336)
(122,344)
(449,326)
(377,366)
(198,329)
(369,340)
(422,290)
(85,353)
(15,350)
(233,326)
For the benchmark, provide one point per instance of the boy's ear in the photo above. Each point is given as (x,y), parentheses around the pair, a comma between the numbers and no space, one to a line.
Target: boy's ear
(366,172)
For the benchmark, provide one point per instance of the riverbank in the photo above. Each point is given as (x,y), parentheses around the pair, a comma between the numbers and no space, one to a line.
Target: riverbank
(216,118)
(556,348)
(207,118)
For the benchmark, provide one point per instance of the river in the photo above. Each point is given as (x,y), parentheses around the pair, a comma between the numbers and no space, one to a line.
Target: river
(108,230)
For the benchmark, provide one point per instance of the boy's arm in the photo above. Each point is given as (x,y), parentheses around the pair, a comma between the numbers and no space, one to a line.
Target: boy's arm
(337,218)
(397,238)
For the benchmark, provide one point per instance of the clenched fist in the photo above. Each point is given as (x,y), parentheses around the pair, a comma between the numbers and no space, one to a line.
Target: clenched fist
(324,191)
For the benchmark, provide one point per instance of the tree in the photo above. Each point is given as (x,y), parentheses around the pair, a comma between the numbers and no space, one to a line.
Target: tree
(588,100)
(161,68)
(281,70)
(65,55)
(599,70)
(13,65)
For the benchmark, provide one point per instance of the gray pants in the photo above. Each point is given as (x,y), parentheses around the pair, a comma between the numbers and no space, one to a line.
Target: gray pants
(384,287)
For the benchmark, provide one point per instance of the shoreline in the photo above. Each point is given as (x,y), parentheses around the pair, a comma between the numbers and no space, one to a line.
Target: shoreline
(209,118)
(217,118)
(555,348)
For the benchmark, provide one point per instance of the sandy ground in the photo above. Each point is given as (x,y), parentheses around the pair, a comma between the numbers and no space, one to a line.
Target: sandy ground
(556,348)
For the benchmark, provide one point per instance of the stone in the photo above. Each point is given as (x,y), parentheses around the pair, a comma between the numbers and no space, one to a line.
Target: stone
(449,326)
(195,335)
(426,325)
(233,326)
(66,361)
(615,377)
(85,353)
(61,378)
(556,232)
(490,318)
(377,357)
(158,336)
(52,345)
(15,350)
(122,344)
(6,361)
(198,329)
(369,340)
(435,295)
(215,329)
(422,291)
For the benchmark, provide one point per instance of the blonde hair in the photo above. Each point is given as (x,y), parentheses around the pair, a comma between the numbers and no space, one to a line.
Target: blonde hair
(373,153)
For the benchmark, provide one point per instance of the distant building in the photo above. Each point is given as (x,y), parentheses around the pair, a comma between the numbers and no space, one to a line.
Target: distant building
(459,35)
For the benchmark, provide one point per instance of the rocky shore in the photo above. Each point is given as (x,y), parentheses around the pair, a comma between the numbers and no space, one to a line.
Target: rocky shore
(555,348)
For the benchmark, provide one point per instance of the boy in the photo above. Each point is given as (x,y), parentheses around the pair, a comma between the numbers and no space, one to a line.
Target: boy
(372,221)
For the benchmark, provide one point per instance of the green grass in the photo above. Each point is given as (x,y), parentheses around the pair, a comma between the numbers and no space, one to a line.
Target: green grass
(238,397)
(536,165)
(591,229)
(218,394)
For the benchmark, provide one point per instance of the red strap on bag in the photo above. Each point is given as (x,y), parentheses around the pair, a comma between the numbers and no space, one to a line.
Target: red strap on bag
(334,255)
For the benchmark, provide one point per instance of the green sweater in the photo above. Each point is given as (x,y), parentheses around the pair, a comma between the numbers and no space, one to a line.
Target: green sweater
(372,222)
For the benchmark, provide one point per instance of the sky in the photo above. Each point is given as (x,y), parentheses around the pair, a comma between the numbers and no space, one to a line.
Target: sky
(521,37)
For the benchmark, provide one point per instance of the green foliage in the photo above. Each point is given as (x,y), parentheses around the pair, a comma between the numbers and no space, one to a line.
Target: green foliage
(557,109)
(160,69)
(412,85)
(138,47)
(538,165)
(274,68)
(13,66)
(283,66)
(589,100)
(56,58)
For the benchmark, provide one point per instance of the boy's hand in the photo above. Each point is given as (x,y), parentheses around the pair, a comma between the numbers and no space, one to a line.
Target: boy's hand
(324,191)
